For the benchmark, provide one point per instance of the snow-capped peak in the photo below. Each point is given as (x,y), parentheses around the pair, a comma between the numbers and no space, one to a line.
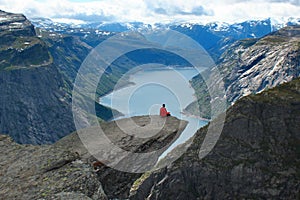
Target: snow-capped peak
(278,23)
(218,26)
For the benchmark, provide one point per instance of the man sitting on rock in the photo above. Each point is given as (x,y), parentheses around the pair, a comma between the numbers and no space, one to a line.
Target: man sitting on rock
(163,111)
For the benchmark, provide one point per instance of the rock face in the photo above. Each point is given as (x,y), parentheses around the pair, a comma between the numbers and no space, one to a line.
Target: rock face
(19,45)
(33,89)
(64,170)
(45,172)
(30,103)
(36,77)
(251,66)
(117,184)
(256,157)
(16,23)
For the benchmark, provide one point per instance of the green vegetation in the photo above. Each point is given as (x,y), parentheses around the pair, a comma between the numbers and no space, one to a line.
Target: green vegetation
(139,181)
(289,89)
(246,43)
(273,40)
(201,107)
(24,52)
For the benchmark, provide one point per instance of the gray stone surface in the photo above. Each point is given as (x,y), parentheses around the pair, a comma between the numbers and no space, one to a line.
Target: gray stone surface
(64,170)
(256,157)
(249,66)
(36,82)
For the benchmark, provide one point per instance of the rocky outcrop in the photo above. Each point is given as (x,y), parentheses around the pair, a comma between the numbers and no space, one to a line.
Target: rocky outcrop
(35,108)
(35,102)
(270,61)
(256,156)
(45,172)
(251,66)
(65,170)
(36,82)
(117,184)
(16,23)
(19,47)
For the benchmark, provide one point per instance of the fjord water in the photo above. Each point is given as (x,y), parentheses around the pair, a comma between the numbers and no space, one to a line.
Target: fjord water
(152,87)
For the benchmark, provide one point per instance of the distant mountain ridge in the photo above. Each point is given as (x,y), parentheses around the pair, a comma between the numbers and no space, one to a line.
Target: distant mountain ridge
(38,67)
(214,37)
(274,23)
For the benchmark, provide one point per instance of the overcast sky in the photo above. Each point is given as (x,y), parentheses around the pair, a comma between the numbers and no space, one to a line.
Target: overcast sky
(152,11)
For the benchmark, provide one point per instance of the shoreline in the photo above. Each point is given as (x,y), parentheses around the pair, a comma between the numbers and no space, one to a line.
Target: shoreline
(130,83)
(194,116)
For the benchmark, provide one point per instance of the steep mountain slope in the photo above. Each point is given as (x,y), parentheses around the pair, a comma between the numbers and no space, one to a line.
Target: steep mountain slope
(36,76)
(18,43)
(256,157)
(252,65)
(32,89)
(64,170)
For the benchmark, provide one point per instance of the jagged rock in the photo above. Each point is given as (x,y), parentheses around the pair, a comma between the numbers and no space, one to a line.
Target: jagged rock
(36,101)
(256,156)
(30,102)
(36,82)
(20,48)
(266,63)
(17,24)
(117,184)
(64,170)
(41,172)
(250,66)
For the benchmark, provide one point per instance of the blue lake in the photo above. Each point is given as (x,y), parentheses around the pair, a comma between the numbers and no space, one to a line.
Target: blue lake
(152,87)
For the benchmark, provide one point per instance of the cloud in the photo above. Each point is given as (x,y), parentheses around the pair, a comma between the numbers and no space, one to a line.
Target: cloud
(160,11)
(201,11)
(198,11)
(294,2)
(245,10)
(152,11)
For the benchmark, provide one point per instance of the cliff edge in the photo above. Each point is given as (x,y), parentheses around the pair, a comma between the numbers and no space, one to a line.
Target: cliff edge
(65,170)
(256,156)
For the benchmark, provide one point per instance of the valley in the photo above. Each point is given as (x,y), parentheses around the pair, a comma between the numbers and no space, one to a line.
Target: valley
(54,128)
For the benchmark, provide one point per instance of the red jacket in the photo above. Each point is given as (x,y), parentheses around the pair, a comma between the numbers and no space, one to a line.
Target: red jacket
(163,112)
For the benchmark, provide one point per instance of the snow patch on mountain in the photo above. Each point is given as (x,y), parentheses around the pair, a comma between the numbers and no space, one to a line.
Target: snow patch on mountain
(274,23)
(278,23)
(218,26)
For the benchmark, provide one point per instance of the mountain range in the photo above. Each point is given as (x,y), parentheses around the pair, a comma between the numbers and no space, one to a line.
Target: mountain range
(255,157)
(214,37)
(39,64)
(272,24)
